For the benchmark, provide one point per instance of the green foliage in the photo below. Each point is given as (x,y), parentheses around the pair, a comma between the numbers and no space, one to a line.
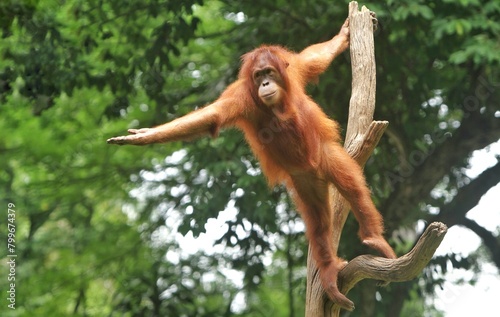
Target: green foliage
(94,222)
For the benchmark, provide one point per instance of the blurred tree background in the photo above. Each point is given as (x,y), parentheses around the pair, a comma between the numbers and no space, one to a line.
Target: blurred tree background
(99,227)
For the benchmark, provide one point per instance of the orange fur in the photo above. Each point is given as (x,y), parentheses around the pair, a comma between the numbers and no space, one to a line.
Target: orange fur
(295,142)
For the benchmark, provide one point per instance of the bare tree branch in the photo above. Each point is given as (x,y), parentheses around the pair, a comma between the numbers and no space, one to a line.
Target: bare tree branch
(468,137)
(468,197)
(490,241)
(362,136)
(402,269)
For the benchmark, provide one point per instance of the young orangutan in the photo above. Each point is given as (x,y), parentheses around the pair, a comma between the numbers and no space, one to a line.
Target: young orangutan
(295,142)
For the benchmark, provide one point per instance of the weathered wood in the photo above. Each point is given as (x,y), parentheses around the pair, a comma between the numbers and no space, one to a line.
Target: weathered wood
(362,136)
(404,268)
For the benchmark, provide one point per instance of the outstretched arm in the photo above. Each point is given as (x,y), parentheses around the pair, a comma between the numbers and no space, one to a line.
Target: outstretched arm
(316,58)
(207,120)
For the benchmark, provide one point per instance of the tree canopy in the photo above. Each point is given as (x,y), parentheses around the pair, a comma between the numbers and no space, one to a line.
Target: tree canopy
(98,228)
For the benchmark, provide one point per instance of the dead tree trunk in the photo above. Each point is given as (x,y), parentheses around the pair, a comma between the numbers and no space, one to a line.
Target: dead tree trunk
(362,136)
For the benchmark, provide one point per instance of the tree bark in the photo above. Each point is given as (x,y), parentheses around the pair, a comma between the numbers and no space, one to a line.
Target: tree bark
(362,136)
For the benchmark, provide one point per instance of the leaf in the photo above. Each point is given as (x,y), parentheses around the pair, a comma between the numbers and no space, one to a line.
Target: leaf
(426,12)
(458,57)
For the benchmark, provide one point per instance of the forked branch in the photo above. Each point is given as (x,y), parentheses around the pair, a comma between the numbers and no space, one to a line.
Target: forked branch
(404,268)
(362,136)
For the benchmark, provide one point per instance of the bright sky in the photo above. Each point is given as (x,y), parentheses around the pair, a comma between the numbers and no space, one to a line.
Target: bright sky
(482,298)
(455,300)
